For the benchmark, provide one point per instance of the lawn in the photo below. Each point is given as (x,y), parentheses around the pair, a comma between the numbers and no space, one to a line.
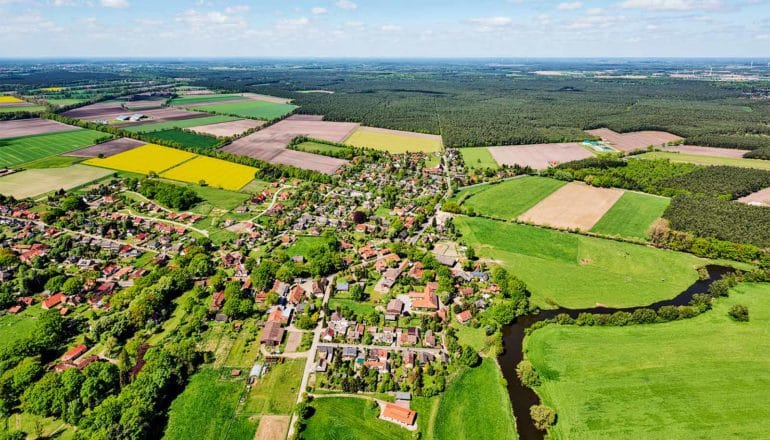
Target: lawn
(214,172)
(360,308)
(250,109)
(16,327)
(702,378)
(206,409)
(509,199)
(477,398)
(303,245)
(183,123)
(708,160)
(200,99)
(632,215)
(337,418)
(145,159)
(478,158)
(277,391)
(34,182)
(392,141)
(24,149)
(220,198)
(184,138)
(576,271)
(474,337)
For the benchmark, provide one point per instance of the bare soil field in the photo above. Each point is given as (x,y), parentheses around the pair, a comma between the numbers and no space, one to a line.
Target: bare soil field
(272,428)
(575,205)
(110,111)
(107,149)
(33,182)
(227,129)
(539,156)
(29,127)
(432,137)
(267,98)
(636,140)
(758,198)
(707,151)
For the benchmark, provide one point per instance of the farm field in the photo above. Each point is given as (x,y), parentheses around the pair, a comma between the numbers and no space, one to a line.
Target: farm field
(6,99)
(573,206)
(539,156)
(632,215)
(394,141)
(22,108)
(34,182)
(107,149)
(576,271)
(478,157)
(320,148)
(184,138)
(26,149)
(215,172)
(635,140)
(145,159)
(350,418)
(659,381)
(509,199)
(51,162)
(698,159)
(707,151)
(276,392)
(758,198)
(227,129)
(250,109)
(28,127)
(199,99)
(461,416)
(181,123)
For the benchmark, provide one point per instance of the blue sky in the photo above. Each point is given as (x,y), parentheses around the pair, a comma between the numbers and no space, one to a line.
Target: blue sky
(385,28)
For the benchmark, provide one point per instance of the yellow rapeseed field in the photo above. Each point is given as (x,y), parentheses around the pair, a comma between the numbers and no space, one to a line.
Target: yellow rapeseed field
(53,89)
(215,172)
(5,99)
(145,159)
(394,141)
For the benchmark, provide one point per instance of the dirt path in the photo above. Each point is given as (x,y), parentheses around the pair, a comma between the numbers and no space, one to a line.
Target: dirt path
(272,428)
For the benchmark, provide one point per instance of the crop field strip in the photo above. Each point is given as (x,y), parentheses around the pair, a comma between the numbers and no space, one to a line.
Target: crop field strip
(699,159)
(107,149)
(183,138)
(215,172)
(144,160)
(180,123)
(635,140)
(478,157)
(29,148)
(227,129)
(539,156)
(573,206)
(394,141)
(632,215)
(249,109)
(30,127)
(508,200)
(34,182)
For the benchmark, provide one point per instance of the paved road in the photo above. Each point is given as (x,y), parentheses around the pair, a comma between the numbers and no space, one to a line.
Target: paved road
(434,351)
(203,232)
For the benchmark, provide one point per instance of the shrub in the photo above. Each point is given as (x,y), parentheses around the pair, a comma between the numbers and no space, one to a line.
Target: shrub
(739,313)
(527,374)
(668,313)
(644,316)
(543,416)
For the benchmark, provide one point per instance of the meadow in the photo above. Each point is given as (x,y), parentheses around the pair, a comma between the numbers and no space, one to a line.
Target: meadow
(476,406)
(250,109)
(703,378)
(632,215)
(182,123)
(276,392)
(200,99)
(325,149)
(183,138)
(480,157)
(22,108)
(215,172)
(576,271)
(507,200)
(14,328)
(708,160)
(19,150)
(349,418)
(144,160)
(38,181)
(393,141)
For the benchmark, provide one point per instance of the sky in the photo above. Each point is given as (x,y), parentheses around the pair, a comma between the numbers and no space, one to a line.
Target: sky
(384,28)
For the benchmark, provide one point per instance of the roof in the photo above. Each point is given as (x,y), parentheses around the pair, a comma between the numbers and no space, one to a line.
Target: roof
(402,395)
(399,414)
(74,353)
(273,333)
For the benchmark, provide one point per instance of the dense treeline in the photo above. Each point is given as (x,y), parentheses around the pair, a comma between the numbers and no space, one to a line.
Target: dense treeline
(725,220)
(724,181)
(170,195)
(759,153)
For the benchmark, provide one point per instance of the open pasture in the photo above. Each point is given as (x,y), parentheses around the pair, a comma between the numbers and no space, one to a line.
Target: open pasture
(249,109)
(573,206)
(478,157)
(632,215)
(227,129)
(30,183)
(703,378)
(699,159)
(635,140)
(20,150)
(577,271)
(30,127)
(145,159)
(201,99)
(179,123)
(215,172)
(394,141)
(12,108)
(761,198)
(107,149)
(507,200)
(539,156)
(350,418)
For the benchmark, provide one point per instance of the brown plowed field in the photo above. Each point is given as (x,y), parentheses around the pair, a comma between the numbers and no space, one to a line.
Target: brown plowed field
(29,127)
(227,129)
(539,156)
(107,149)
(573,206)
(636,140)
(272,428)
(758,198)
(707,151)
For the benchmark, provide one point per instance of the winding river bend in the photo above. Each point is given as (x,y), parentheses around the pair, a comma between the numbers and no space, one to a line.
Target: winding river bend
(522,398)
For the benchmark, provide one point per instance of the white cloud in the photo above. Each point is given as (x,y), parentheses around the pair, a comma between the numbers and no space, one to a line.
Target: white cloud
(569,6)
(390,28)
(347,4)
(489,22)
(118,4)
(238,9)
(291,23)
(319,10)
(672,5)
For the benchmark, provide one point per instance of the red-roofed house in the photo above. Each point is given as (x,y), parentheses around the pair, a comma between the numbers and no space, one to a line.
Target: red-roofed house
(53,301)
(74,353)
(398,414)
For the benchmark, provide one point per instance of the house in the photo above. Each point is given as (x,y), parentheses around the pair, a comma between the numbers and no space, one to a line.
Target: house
(430,339)
(425,300)
(74,353)
(398,414)
(272,334)
(417,271)
(349,353)
(53,301)
(280,288)
(464,316)
(217,300)
(410,336)
(393,310)
(446,261)
(296,295)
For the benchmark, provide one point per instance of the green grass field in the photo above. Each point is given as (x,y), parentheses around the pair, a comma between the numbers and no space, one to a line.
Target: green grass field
(200,99)
(276,392)
(632,215)
(576,271)
(20,150)
(25,108)
(321,148)
(708,160)
(250,109)
(338,418)
(61,102)
(52,162)
(476,406)
(703,378)
(303,246)
(508,200)
(478,158)
(16,327)
(184,123)
(206,409)
(186,138)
